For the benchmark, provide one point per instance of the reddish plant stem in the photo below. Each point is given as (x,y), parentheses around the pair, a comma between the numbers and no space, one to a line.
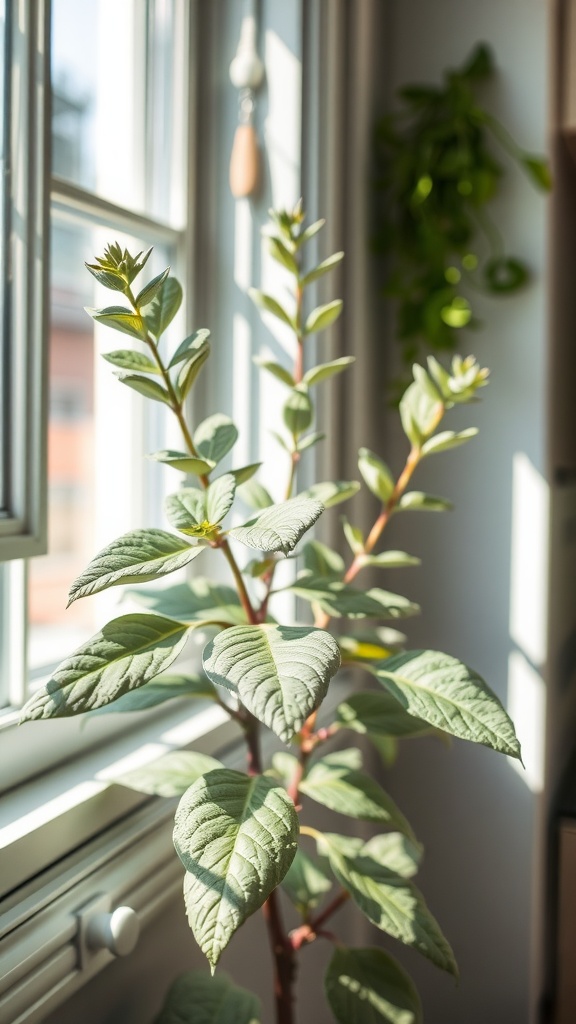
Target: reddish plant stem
(308,932)
(382,521)
(284,961)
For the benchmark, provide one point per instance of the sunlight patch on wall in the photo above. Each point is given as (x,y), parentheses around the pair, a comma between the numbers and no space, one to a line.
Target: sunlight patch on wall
(529,566)
(529,562)
(283,124)
(527,708)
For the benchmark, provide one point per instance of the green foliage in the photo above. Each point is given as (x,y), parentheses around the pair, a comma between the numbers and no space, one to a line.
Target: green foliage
(368,985)
(257,663)
(236,836)
(389,900)
(169,775)
(196,998)
(241,835)
(436,174)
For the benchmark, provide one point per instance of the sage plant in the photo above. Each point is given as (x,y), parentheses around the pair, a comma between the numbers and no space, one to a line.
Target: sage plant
(242,835)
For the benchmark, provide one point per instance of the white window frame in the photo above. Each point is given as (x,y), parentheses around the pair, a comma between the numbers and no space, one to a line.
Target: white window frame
(29,364)
(23,523)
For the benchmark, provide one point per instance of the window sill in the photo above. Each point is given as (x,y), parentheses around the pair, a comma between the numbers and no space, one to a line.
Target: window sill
(56,812)
(71,837)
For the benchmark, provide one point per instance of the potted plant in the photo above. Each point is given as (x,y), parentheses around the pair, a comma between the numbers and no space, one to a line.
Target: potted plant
(243,836)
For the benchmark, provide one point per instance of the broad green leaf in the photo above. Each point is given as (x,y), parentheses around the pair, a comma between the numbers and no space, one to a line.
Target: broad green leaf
(129,360)
(125,654)
(278,371)
(309,232)
(246,473)
(137,263)
(279,527)
(215,437)
(322,268)
(191,367)
(385,636)
(137,557)
(192,345)
(184,462)
(280,673)
(323,316)
(440,376)
(331,492)
(108,278)
(144,386)
(298,411)
(420,412)
(198,598)
(186,511)
(150,290)
(256,567)
(395,852)
(306,883)
(320,560)
(284,766)
(332,783)
(219,497)
(236,837)
(309,441)
(417,501)
(425,382)
(283,444)
(353,535)
(270,305)
(444,692)
(121,319)
(325,370)
(196,998)
(356,649)
(390,560)
(380,714)
(458,312)
(339,599)
(168,775)
(538,171)
(391,902)
(158,691)
(447,439)
(282,255)
(159,313)
(376,474)
(366,986)
(386,746)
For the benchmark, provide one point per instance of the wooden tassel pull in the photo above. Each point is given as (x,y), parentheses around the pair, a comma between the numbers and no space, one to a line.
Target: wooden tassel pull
(245,162)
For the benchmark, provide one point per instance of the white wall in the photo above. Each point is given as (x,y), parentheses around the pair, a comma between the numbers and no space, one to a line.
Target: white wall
(476,815)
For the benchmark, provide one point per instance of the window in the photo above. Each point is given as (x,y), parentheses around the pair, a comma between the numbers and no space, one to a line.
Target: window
(119,83)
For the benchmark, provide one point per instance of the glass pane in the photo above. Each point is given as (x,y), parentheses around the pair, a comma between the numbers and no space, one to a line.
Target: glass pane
(114,79)
(92,496)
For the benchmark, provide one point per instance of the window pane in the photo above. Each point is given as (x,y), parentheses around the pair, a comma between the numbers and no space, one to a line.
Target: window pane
(117,91)
(93,495)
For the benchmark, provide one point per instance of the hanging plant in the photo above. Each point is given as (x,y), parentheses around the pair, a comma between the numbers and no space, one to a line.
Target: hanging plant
(436,177)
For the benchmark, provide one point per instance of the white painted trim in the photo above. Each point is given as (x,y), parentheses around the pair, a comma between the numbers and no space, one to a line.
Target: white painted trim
(24,527)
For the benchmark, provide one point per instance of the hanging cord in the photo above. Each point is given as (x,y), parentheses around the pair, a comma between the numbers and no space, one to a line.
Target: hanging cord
(246,74)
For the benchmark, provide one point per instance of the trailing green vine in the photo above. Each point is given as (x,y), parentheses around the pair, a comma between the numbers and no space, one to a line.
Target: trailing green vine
(436,175)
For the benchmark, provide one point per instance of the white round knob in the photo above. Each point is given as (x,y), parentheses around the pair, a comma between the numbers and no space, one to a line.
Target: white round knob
(117,932)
